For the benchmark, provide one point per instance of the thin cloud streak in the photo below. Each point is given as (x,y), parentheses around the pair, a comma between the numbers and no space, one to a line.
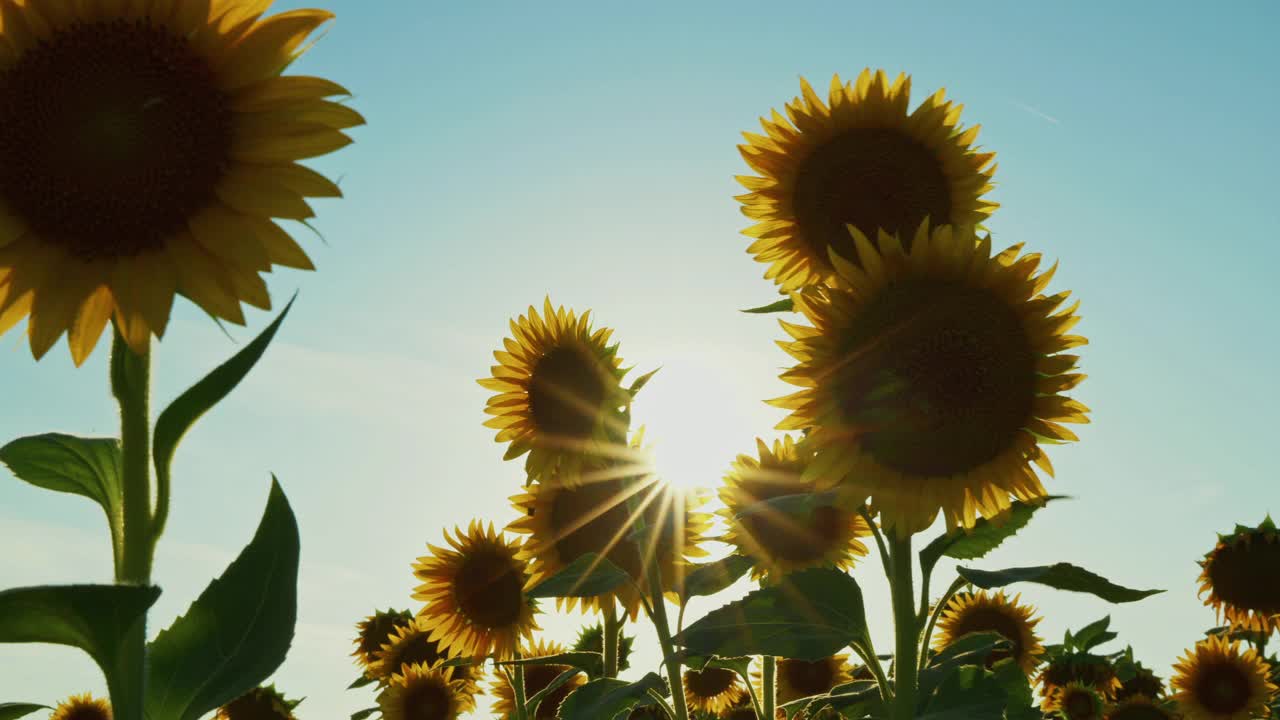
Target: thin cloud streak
(1036,111)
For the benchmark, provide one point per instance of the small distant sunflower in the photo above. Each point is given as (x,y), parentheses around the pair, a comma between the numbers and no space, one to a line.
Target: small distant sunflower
(536,679)
(474,594)
(863,160)
(779,543)
(82,707)
(260,703)
(146,149)
(566,522)
(1144,682)
(930,377)
(1139,707)
(1084,668)
(742,711)
(1242,576)
(713,690)
(374,631)
(1216,681)
(591,639)
(983,611)
(559,390)
(422,693)
(795,679)
(412,645)
(1074,701)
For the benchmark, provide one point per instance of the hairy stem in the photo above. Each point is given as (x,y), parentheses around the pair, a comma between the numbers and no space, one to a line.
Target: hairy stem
(933,618)
(770,686)
(905,627)
(611,626)
(522,712)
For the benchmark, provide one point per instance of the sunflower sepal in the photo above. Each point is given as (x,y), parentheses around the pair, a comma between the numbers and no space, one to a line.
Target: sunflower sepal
(638,384)
(786,304)
(365,713)
(1060,576)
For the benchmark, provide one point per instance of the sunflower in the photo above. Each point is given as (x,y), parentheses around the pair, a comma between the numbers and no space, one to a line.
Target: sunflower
(860,160)
(474,594)
(779,543)
(422,693)
(713,690)
(412,645)
(1083,668)
(1074,701)
(795,679)
(559,391)
(260,703)
(146,147)
(565,521)
(374,631)
(1144,682)
(929,376)
(536,679)
(1139,707)
(983,611)
(1242,576)
(741,711)
(591,639)
(82,707)
(1216,681)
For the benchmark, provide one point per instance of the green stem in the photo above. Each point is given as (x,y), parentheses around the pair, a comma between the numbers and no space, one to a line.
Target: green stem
(755,698)
(770,686)
(905,627)
(610,639)
(933,618)
(522,712)
(875,532)
(663,627)
(867,652)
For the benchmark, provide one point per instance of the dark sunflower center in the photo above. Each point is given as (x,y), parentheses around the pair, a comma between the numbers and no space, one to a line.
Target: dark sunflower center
(1094,674)
(420,650)
(807,678)
(489,590)
(86,712)
(377,632)
(1139,712)
(938,376)
(1144,683)
(709,683)
(112,135)
(255,705)
(536,679)
(567,392)
(1223,688)
(871,178)
(1248,576)
(594,518)
(989,619)
(785,537)
(1078,705)
(427,701)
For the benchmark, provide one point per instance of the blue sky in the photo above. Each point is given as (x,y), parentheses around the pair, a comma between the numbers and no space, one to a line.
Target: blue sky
(587,151)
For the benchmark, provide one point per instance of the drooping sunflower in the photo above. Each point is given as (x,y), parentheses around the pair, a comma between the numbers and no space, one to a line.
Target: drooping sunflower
(412,645)
(1143,682)
(779,543)
(146,147)
(930,376)
(375,631)
(536,679)
(423,693)
(260,703)
(591,639)
(861,159)
(1074,701)
(713,690)
(1140,707)
(1078,667)
(741,711)
(82,707)
(795,679)
(565,521)
(559,391)
(983,611)
(474,594)
(1217,681)
(1242,577)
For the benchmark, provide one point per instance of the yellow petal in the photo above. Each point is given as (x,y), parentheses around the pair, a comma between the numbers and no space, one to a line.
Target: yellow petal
(251,192)
(56,302)
(278,91)
(229,236)
(314,141)
(281,248)
(201,278)
(89,323)
(269,47)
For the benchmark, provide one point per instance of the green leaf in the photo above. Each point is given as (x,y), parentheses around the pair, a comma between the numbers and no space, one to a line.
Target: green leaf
(713,577)
(591,663)
(971,649)
(94,618)
(1093,634)
(362,681)
(784,305)
(89,467)
(854,700)
(13,711)
(969,692)
(810,615)
(238,631)
(588,576)
(983,537)
(183,412)
(607,698)
(531,705)
(1063,576)
(361,715)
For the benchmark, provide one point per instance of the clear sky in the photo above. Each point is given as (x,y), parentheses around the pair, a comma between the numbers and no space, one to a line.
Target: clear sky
(586,150)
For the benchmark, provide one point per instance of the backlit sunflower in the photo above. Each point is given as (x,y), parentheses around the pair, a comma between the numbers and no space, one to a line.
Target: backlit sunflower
(713,690)
(1242,576)
(260,703)
(1074,701)
(82,707)
(860,159)
(930,376)
(559,391)
(536,679)
(1217,681)
(375,631)
(565,521)
(778,542)
(983,611)
(474,594)
(1084,668)
(795,679)
(422,693)
(1140,707)
(412,645)
(145,148)
(1143,682)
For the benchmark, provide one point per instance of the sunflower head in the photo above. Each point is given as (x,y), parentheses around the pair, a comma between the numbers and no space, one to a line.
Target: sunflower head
(565,521)
(375,631)
(146,149)
(1216,680)
(474,594)
(1142,682)
(713,690)
(983,611)
(864,160)
(260,703)
(422,693)
(591,639)
(412,644)
(1242,577)
(559,394)
(795,679)
(1140,707)
(778,542)
(930,376)
(1078,667)
(1074,701)
(82,707)
(536,679)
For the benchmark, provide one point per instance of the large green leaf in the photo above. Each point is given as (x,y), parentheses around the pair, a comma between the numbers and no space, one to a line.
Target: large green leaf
(591,663)
(1063,576)
(94,618)
(13,711)
(588,576)
(607,698)
(713,577)
(556,683)
(237,632)
(852,700)
(810,615)
(983,537)
(89,467)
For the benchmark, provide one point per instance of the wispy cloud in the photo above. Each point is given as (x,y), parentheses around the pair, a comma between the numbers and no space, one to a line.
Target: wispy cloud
(1036,111)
